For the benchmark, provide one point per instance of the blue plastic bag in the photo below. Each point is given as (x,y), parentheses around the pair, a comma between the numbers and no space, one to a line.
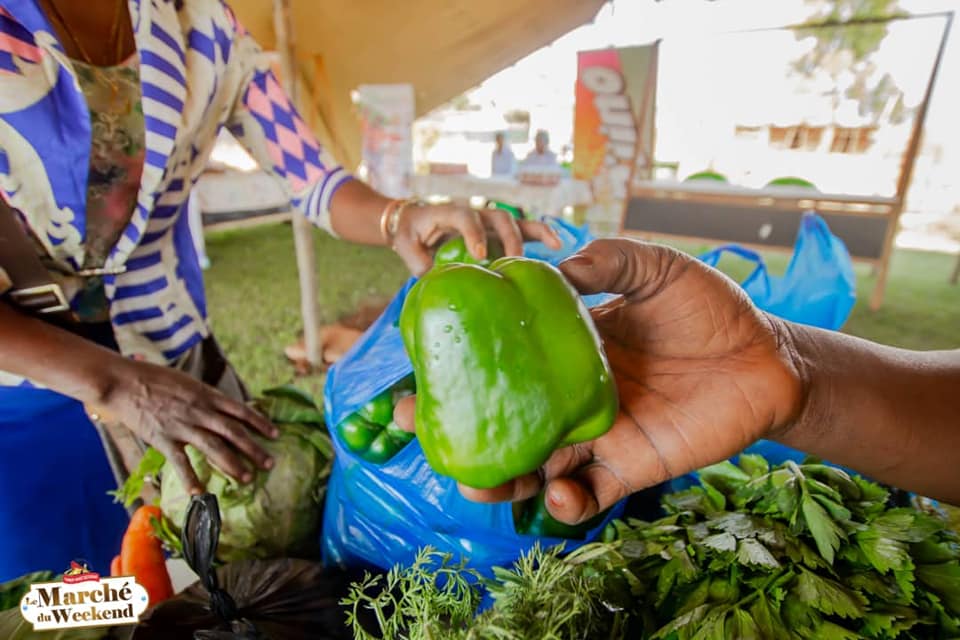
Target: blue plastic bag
(381,514)
(819,286)
(817,289)
(572,239)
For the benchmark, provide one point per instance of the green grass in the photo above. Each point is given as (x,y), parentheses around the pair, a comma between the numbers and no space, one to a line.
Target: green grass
(254,297)
(255,306)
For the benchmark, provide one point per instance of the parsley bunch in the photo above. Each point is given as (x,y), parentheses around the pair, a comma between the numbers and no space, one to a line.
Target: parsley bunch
(797,551)
(800,551)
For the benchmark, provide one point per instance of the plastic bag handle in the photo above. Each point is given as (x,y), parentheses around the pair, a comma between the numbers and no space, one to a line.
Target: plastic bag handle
(760,271)
(199,537)
(713,257)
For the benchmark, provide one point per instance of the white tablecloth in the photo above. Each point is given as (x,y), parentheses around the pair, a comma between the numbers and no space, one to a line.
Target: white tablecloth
(535,199)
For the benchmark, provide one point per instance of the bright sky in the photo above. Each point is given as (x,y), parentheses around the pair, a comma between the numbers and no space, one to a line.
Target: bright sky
(543,83)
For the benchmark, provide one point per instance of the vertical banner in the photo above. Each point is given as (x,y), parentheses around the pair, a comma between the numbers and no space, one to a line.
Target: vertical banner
(613,134)
(387,114)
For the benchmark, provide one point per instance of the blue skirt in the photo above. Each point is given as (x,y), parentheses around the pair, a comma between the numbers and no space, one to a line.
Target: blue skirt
(54,478)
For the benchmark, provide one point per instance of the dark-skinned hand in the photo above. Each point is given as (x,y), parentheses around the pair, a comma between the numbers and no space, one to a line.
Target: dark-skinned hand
(421,228)
(701,375)
(169,410)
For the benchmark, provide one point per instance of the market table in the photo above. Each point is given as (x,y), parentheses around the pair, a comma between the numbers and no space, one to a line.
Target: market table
(536,199)
(766,218)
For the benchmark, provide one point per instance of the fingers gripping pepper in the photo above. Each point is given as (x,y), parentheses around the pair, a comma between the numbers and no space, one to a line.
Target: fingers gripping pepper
(532,518)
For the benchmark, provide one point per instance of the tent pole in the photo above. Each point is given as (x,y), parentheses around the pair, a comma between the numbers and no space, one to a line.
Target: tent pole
(302,229)
(906,169)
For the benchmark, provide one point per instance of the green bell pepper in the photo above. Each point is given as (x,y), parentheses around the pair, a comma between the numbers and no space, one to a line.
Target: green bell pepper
(455,250)
(516,212)
(372,442)
(532,518)
(371,433)
(379,410)
(509,368)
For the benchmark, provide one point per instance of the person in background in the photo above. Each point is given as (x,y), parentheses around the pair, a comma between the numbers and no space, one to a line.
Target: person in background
(702,374)
(109,111)
(566,156)
(502,161)
(541,157)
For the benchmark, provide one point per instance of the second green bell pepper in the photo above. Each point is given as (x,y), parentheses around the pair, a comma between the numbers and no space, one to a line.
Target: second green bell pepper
(509,368)
(532,518)
(371,433)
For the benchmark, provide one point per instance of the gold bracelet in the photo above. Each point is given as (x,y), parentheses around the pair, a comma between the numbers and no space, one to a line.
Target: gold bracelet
(385,220)
(390,220)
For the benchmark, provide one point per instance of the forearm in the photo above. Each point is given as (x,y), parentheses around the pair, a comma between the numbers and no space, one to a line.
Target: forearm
(355,211)
(892,414)
(55,358)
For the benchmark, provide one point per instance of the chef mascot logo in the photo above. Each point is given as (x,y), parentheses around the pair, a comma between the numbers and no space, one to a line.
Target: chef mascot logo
(83,599)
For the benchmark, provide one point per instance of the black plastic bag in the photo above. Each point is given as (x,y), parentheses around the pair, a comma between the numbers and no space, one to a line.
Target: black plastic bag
(283,599)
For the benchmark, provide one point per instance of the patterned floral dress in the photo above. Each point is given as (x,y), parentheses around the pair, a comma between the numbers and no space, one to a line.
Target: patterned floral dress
(65,435)
(77,146)
(116,164)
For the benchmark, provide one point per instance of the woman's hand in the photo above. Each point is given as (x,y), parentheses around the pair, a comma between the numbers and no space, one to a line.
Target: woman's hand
(166,408)
(421,228)
(356,214)
(701,375)
(169,409)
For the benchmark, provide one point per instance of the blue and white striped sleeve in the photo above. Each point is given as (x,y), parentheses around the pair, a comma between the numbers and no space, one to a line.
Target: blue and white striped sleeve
(265,121)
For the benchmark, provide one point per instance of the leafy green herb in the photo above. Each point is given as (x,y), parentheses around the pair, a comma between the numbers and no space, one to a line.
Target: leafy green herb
(166,534)
(795,551)
(828,596)
(944,578)
(824,529)
(751,552)
(13,626)
(432,598)
(12,591)
(148,470)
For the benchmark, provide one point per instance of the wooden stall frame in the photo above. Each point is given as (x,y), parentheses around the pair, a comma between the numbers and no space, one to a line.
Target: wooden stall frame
(909,164)
(891,208)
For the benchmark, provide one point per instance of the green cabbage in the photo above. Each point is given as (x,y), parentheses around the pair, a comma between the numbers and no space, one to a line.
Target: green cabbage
(279,513)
